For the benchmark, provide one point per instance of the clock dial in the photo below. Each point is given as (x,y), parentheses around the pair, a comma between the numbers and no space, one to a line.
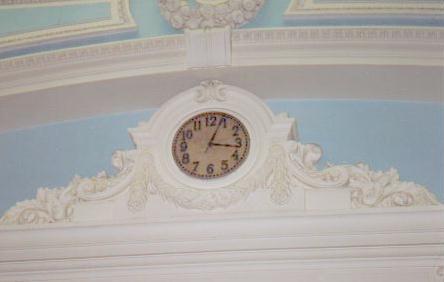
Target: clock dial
(210,145)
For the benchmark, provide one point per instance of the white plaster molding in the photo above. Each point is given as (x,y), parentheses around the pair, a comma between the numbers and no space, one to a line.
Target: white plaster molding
(208,47)
(278,172)
(299,9)
(209,13)
(250,47)
(120,21)
(380,245)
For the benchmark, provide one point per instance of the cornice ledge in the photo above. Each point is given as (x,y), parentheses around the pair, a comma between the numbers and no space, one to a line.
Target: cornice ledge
(403,240)
(251,47)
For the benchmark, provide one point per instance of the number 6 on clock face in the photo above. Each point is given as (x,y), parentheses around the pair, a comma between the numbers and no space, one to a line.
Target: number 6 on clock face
(210,145)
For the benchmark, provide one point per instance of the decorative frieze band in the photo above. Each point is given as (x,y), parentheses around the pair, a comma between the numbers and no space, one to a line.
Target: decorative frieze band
(250,47)
(95,52)
(367,35)
(251,37)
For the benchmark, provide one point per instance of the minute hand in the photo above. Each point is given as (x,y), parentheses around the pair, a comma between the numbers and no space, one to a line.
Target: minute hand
(225,145)
(210,143)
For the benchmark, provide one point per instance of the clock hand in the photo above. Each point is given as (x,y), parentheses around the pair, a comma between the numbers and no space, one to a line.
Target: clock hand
(225,145)
(212,137)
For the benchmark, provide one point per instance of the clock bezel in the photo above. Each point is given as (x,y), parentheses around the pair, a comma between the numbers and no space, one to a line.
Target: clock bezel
(243,158)
(203,183)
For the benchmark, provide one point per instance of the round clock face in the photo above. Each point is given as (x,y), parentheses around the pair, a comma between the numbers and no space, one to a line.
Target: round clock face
(210,145)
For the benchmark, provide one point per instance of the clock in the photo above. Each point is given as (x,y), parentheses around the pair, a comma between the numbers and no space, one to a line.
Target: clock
(210,145)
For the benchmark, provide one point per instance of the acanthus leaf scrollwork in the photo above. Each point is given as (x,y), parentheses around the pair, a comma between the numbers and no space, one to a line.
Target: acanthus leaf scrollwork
(57,204)
(288,166)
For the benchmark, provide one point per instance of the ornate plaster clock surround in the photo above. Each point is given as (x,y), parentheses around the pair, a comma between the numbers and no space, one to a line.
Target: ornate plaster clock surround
(279,174)
(210,96)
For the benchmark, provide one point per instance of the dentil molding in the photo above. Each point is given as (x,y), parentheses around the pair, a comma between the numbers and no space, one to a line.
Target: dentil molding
(279,174)
(120,21)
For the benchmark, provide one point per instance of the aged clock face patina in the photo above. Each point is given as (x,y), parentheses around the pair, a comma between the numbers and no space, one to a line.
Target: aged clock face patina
(210,145)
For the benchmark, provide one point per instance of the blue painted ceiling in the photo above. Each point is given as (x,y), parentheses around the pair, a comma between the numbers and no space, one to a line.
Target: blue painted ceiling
(150,22)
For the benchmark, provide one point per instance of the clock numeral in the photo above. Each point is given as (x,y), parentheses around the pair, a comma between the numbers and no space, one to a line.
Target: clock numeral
(235,155)
(197,125)
(196,164)
(236,130)
(183,146)
(224,165)
(223,121)
(238,141)
(224,134)
(211,121)
(210,168)
(186,158)
(187,134)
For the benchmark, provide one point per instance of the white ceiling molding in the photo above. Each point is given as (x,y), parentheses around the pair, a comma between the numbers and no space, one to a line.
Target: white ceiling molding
(121,21)
(250,47)
(209,13)
(320,246)
(279,216)
(362,63)
(280,174)
(208,47)
(300,9)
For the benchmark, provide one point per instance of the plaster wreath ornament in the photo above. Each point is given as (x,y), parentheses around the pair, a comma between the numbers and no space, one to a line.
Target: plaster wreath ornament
(182,14)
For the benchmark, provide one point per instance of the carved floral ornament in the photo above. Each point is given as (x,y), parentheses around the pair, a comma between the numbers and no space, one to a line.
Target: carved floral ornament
(288,166)
(181,14)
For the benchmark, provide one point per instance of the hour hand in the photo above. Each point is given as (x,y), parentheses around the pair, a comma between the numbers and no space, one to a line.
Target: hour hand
(225,145)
